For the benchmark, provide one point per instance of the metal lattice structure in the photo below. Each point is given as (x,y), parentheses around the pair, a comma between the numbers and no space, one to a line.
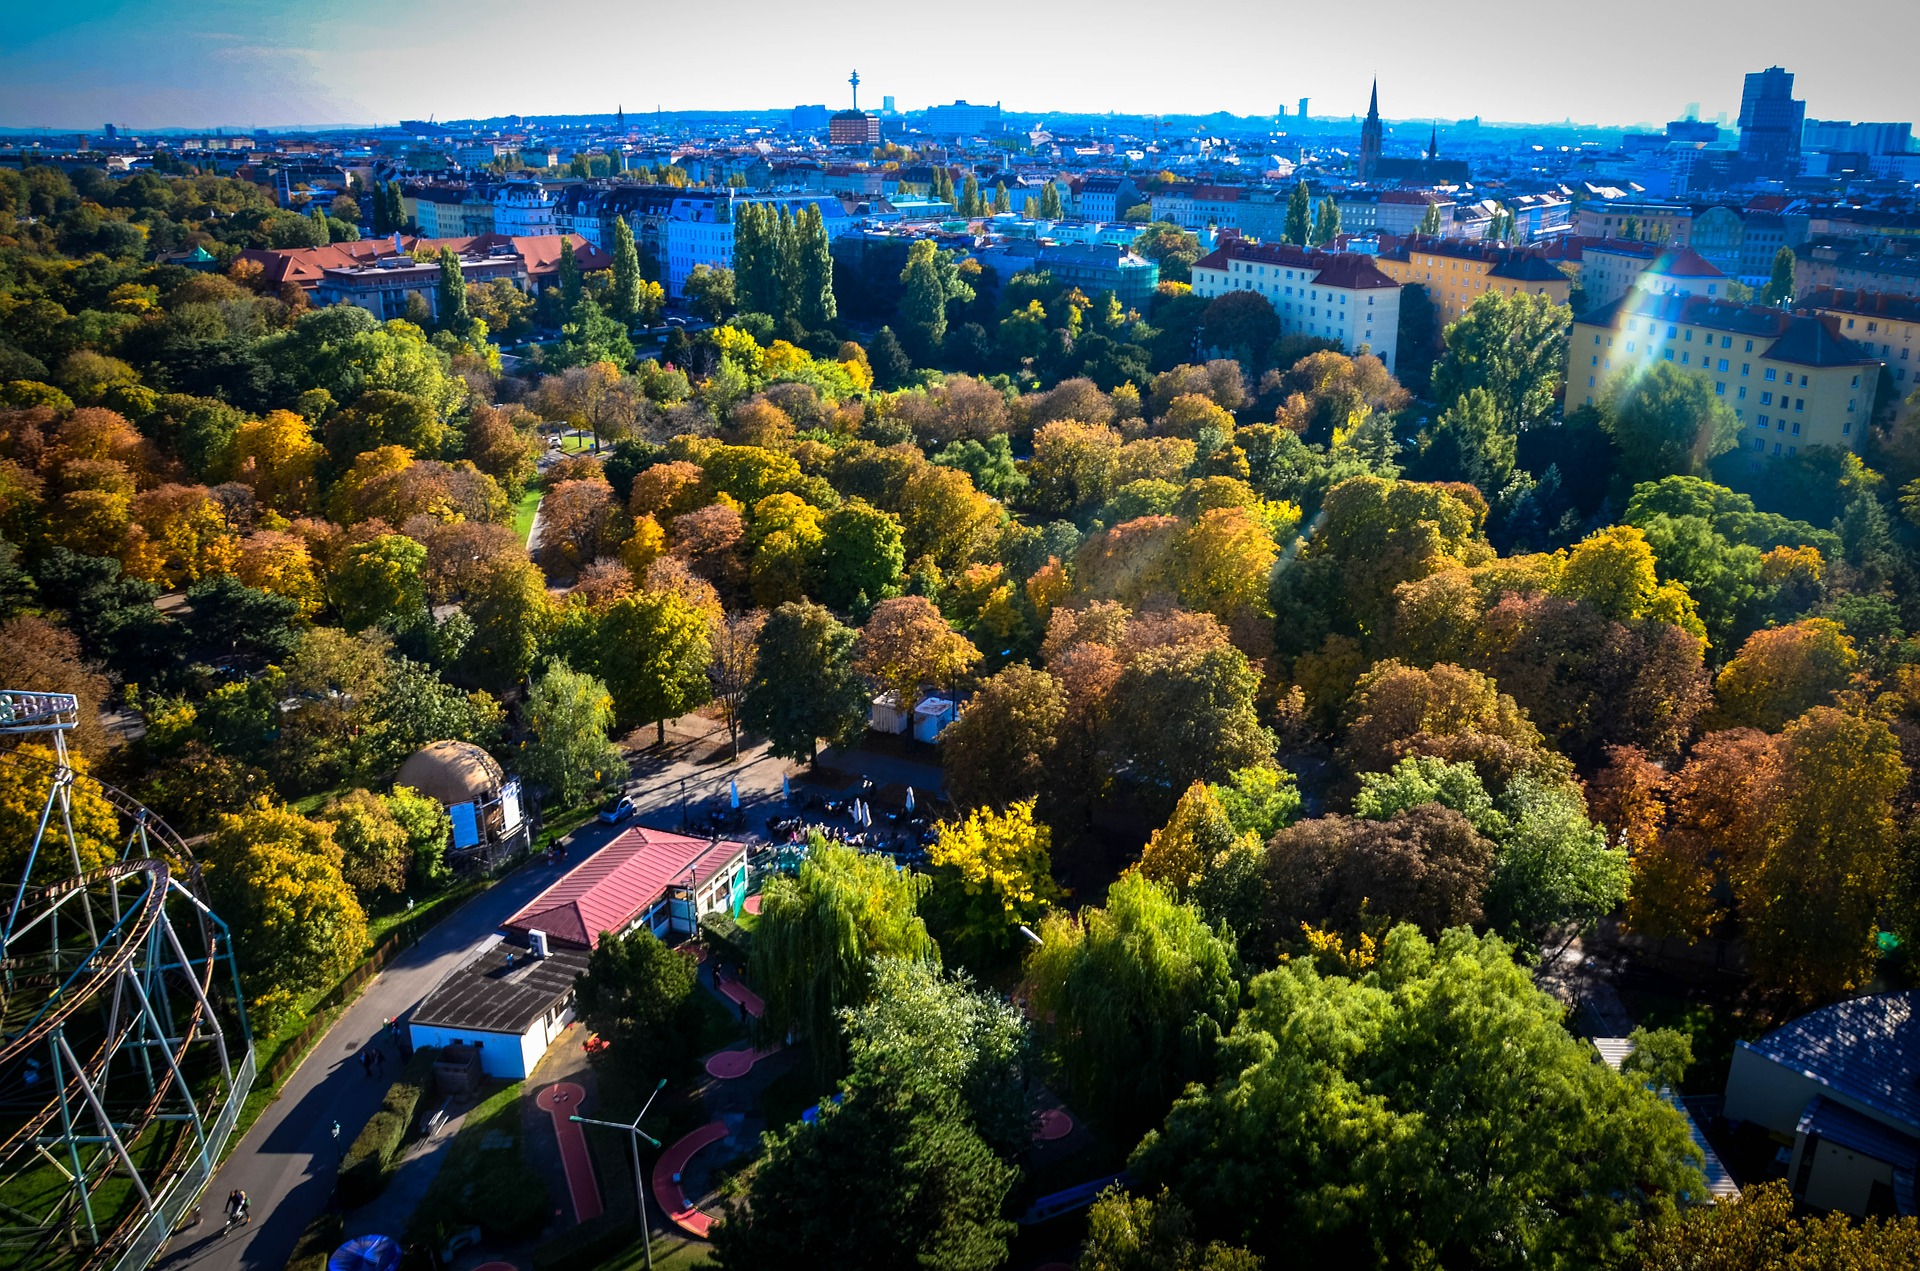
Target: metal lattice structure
(124,1050)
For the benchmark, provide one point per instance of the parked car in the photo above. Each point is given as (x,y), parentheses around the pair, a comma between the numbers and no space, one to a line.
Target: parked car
(619,810)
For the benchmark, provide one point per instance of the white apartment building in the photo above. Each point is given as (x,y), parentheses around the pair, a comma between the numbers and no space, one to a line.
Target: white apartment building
(1328,295)
(523,209)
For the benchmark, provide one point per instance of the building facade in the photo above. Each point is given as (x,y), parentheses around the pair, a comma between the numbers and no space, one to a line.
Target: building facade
(1653,222)
(523,209)
(853,128)
(699,227)
(1326,295)
(1456,273)
(1791,379)
(1611,268)
(1771,121)
(1888,326)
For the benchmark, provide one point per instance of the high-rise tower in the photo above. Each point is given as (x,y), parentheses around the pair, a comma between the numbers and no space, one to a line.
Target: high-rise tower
(1770,122)
(1370,136)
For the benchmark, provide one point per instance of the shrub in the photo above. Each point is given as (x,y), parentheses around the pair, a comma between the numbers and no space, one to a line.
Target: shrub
(316,1244)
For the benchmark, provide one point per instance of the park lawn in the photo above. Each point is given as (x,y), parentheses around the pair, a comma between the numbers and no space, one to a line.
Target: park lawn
(485,1181)
(524,507)
(670,1253)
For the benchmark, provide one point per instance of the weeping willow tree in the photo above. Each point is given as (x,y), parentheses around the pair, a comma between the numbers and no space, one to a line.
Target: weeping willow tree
(818,934)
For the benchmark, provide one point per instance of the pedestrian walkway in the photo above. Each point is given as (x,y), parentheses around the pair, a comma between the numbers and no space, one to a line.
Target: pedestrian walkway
(561,1101)
(731,1065)
(739,994)
(666,1179)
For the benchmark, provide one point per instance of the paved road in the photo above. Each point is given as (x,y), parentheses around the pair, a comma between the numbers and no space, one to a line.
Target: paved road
(287,1161)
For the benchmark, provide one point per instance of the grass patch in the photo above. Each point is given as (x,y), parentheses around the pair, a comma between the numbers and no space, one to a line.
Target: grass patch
(392,911)
(523,509)
(562,823)
(720,1023)
(670,1253)
(485,1181)
(790,1094)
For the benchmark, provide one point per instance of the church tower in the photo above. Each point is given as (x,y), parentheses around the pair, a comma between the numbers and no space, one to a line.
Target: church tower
(1370,137)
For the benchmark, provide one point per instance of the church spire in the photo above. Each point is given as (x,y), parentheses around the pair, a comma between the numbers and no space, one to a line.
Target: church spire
(1433,143)
(1373,105)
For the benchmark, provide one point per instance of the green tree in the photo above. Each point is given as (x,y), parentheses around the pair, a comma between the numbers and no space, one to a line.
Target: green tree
(970,197)
(381,582)
(1471,442)
(454,316)
(710,292)
(624,298)
(1002,201)
(569,712)
(1138,1233)
(643,998)
(1430,221)
(569,274)
(1556,869)
(998,751)
(1664,420)
(1175,250)
(1050,209)
(1433,1112)
(1261,800)
(653,649)
(815,306)
(970,1041)
(818,936)
(929,281)
(591,335)
(1299,215)
(428,828)
(804,686)
(274,876)
(1136,997)
(1185,713)
(891,366)
(1780,287)
(862,555)
(373,844)
(930,1196)
(1326,222)
(1514,347)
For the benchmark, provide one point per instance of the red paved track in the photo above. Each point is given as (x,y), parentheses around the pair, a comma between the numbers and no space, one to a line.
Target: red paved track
(560,1101)
(740,993)
(674,1160)
(729,1065)
(752,903)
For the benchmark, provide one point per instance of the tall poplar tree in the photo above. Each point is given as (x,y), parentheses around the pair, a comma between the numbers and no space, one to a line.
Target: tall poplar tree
(1002,201)
(624,299)
(816,307)
(396,206)
(1779,289)
(1326,222)
(1050,209)
(1430,223)
(1299,215)
(786,266)
(970,197)
(453,293)
(569,275)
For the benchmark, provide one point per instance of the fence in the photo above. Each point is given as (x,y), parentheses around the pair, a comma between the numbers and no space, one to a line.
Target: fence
(184,1192)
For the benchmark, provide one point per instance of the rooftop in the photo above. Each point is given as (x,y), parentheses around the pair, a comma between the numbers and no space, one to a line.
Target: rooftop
(1797,337)
(1866,1050)
(1683,262)
(503,990)
(1334,269)
(620,882)
(1852,300)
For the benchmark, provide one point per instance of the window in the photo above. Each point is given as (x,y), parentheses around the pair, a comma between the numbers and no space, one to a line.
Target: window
(1669,355)
(1776,447)
(1803,381)
(1799,403)
(1759,443)
(1796,428)
(1590,383)
(1850,405)
(1766,399)
(1596,360)
(1761,422)
(1722,368)
(1720,389)
(1749,346)
(1769,376)
(1856,381)
(1742,393)
(1746,367)
(1689,335)
(1726,342)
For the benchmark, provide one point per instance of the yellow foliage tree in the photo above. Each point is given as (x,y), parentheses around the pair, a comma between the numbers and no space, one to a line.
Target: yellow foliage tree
(279,458)
(1000,864)
(26,778)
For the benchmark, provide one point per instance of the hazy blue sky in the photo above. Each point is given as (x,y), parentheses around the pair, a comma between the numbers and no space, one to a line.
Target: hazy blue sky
(271,63)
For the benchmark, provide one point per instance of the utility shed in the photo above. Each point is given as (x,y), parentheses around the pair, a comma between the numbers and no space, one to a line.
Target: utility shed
(506,1002)
(1841,1085)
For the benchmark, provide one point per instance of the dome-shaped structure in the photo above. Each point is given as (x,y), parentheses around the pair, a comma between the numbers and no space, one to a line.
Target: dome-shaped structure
(453,772)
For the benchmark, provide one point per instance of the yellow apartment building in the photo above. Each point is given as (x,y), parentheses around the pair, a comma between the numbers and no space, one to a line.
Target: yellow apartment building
(1887,324)
(1457,273)
(1792,379)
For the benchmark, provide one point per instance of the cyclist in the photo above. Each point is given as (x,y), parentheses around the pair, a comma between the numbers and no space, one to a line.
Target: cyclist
(236,1206)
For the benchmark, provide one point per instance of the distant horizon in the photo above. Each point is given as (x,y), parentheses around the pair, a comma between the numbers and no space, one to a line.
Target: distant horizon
(276,63)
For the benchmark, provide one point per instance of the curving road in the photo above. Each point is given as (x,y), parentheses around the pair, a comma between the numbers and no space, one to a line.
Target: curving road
(287,1160)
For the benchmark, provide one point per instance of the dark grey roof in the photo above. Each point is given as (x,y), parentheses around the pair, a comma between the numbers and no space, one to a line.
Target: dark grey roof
(489,995)
(1866,1050)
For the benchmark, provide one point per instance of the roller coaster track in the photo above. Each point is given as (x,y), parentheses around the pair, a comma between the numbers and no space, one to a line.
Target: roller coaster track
(110,1025)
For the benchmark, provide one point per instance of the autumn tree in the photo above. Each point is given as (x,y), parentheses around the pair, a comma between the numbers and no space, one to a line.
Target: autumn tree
(1809,897)
(1185,713)
(653,650)
(993,875)
(996,752)
(374,846)
(1765,1229)
(907,644)
(1514,347)
(275,877)
(1783,672)
(735,650)
(1426,865)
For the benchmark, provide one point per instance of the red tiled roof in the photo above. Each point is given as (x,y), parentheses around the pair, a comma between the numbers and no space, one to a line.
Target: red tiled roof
(618,883)
(1857,301)
(304,265)
(1336,269)
(1684,262)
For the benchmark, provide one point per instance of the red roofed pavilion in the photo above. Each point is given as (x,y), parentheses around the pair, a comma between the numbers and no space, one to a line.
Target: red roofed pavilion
(645,877)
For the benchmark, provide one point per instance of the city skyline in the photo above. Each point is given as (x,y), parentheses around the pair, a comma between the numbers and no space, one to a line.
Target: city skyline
(273,64)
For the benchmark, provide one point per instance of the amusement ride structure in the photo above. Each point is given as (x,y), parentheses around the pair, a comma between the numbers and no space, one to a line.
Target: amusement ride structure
(124,1050)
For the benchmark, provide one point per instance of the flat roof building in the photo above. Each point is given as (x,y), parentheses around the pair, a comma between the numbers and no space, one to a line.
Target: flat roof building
(644,877)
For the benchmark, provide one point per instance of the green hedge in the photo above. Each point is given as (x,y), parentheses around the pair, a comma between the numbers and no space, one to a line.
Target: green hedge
(727,938)
(364,1170)
(316,1244)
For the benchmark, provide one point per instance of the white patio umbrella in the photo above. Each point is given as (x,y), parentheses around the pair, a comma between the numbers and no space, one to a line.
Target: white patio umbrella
(786,790)
(733,792)
(909,798)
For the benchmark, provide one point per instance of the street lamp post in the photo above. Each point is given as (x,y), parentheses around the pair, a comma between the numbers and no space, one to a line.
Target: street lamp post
(635,1134)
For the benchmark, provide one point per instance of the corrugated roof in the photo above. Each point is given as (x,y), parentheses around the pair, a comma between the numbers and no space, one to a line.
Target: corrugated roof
(621,881)
(1866,1050)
